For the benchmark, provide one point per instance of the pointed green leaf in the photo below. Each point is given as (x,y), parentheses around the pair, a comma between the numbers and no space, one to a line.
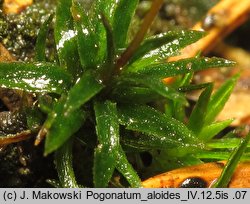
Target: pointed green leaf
(220,155)
(166,44)
(197,117)
(164,90)
(107,70)
(64,166)
(106,153)
(91,33)
(154,84)
(86,37)
(61,125)
(186,80)
(219,99)
(85,88)
(151,75)
(160,129)
(224,143)
(183,66)
(65,38)
(208,132)
(40,47)
(34,77)
(193,87)
(233,161)
(67,117)
(105,7)
(174,148)
(126,169)
(122,19)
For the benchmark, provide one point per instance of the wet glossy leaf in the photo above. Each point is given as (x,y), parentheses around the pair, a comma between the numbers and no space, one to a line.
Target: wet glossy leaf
(166,44)
(91,33)
(174,148)
(197,117)
(184,66)
(86,38)
(107,70)
(64,166)
(224,143)
(61,125)
(161,130)
(164,90)
(67,117)
(65,38)
(34,77)
(151,75)
(208,132)
(234,159)
(126,169)
(122,19)
(85,88)
(156,85)
(40,47)
(105,7)
(219,99)
(106,153)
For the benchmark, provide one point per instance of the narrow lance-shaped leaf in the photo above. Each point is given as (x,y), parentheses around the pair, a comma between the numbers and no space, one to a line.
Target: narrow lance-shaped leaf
(126,169)
(61,125)
(140,35)
(122,19)
(65,38)
(105,7)
(91,37)
(151,75)
(107,70)
(67,117)
(209,131)
(106,153)
(86,37)
(197,117)
(64,166)
(192,87)
(220,155)
(40,47)
(219,98)
(161,129)
(234,159)
(164,90)
(178,110)
(85,88)
(34,77)
(165,45)
(224,143)
(183,66)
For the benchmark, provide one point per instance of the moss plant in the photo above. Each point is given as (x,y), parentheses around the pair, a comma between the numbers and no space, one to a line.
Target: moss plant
(103,96)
